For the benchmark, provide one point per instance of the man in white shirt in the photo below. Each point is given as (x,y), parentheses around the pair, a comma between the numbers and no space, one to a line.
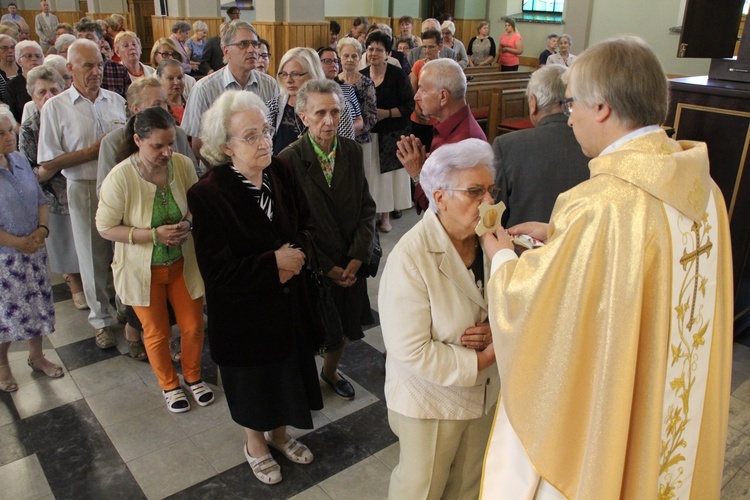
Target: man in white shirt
(72,126)
(239,43)
(45,25)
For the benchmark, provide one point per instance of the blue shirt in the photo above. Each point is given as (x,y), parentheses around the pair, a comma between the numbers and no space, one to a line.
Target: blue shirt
(20,198)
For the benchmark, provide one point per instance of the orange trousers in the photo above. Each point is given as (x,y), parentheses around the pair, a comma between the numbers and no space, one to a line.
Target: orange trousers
(168,283)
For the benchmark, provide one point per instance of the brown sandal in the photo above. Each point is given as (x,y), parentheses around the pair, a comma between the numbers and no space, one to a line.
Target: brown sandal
(137,350)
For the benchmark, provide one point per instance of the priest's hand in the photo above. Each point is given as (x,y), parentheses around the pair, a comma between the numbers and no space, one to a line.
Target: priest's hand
(494,242)
(537,230)
(486,358)
(478,337)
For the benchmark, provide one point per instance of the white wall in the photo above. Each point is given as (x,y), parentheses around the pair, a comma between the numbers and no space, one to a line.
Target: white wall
(305,11)
(470,9)
(406,8)
(592,21)
(346,8)
(648,19)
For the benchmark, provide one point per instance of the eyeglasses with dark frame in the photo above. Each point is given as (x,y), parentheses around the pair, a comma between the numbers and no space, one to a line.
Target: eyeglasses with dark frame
(476,192)
(244,44)
(167,55)
(328,60)
(295,76)
(265,55)
(567,105)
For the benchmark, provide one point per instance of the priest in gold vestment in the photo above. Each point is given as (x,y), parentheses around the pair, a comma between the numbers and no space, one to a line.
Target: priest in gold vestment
(614,339)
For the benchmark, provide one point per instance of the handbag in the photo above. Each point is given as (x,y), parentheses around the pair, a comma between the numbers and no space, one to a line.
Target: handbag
(371,268)
(319,289)
(387,149)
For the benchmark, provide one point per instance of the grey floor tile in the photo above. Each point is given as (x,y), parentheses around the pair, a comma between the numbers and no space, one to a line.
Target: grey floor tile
(738,448)
(24,479)
(314,493)
(45,394)
(370,476)
(104,375)
(171,469)
(71,325)
(124,402)
(738,488)
(739,414)
(12,447)
(728,473)
(145,434)
(202,418)
(222,445)
(389,456)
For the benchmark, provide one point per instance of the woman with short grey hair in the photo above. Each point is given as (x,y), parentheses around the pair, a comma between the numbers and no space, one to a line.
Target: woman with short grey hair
(250,215)
(441,385)
(296,67)
(180,34)
(343,212)
(563,56)
(196,43)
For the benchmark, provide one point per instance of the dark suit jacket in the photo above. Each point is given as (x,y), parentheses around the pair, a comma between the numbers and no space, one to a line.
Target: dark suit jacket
(213,57)
(16,96)
(252,317)
(344,218)
(534,166)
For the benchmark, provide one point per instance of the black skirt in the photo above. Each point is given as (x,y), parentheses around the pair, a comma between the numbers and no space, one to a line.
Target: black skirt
(268,396)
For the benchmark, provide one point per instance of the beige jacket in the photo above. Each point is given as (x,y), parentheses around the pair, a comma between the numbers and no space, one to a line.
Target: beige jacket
(126,198)
(427,300)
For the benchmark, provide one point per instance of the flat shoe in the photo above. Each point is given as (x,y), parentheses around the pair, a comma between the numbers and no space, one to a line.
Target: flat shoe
(342,388)
(79,301)
(265,468)
(53,371)
(105,338)
(293,450)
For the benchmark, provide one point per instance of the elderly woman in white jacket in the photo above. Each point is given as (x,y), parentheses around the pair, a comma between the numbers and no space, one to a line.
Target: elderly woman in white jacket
(441,382)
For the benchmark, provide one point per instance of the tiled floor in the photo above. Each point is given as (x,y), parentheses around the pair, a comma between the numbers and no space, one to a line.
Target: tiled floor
(103,430)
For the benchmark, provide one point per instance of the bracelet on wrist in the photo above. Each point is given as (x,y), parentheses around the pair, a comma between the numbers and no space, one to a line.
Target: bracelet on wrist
(45,228)
(153,236)
(130,235)
(190,224)
(390,113)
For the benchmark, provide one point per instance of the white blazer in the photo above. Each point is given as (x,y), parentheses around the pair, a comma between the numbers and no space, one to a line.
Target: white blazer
(427,300)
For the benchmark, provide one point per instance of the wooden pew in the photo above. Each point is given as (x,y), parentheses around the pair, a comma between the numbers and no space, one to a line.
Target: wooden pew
(506,105)
(490,76)
(479,94)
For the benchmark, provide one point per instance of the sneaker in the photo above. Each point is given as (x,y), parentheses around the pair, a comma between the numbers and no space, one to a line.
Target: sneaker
(202,393)
(177,401)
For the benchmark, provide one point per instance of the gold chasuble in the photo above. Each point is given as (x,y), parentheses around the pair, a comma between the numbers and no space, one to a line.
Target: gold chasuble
(614,341)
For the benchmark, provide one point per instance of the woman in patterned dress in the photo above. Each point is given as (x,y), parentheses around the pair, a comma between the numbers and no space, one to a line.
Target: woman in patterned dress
(26,308)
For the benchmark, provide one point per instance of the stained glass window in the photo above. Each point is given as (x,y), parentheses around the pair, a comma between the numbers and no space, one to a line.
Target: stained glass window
(543,6)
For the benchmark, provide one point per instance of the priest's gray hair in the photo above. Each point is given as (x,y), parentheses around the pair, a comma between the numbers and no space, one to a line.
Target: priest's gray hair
(440,169)
(214,127)
(605,73)
(323,86)
(447,74)
(548,86)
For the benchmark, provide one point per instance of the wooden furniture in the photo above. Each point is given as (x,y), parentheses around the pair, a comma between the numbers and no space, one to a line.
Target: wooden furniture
(509,111)
(718,113)
(479,94)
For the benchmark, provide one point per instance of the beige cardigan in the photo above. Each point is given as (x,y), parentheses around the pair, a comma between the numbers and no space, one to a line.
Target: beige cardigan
(426,301)
(126,198)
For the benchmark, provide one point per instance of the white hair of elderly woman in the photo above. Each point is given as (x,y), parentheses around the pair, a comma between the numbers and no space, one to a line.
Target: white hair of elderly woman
(213,132)
(441,167)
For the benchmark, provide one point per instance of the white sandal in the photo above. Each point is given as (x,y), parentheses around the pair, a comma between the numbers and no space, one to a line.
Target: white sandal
(293,450)
(177,401)
(265,468)
(201,392)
